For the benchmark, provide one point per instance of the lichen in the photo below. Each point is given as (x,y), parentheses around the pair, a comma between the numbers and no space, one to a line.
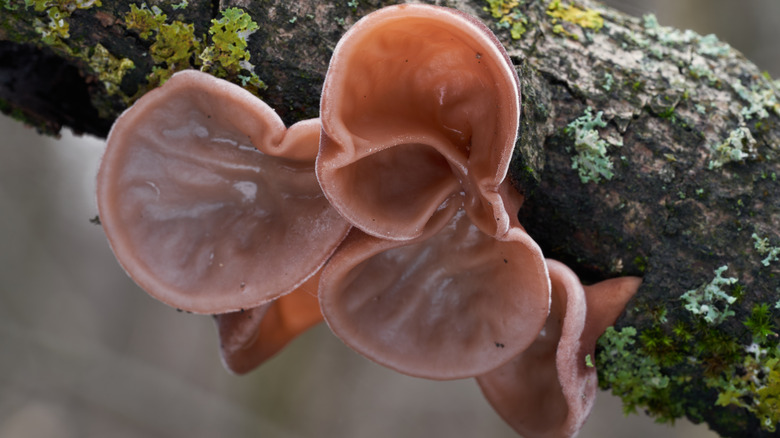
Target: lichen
(54,29)
(710,301)
(510,17)
(759,100)
(229,36)
(591,160)
(754,385)
(667,35)
(109,69)
(763,247)
(656,368)
(699,69)
(738,146)
(709,45)
(174,43)
(584,18)
(609,81)
(175,46)
(635,378)
(144,20)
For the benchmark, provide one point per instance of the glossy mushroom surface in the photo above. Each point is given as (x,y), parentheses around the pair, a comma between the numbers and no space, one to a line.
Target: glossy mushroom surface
(549,389)
(420,104)
(209,203)
(453,303)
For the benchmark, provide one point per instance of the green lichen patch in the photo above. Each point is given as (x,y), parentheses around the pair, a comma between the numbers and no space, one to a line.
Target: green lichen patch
(585,18)
(590,158)
(175,46)
(55,29)
(658,368)
(174,43)
(229,36)
(509,16)
(753,385)
(109,69)
(634,377)
(52,25)
(145,20)
(227,56)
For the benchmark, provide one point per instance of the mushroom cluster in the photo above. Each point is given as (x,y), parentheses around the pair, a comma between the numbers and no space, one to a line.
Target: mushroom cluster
(391,218)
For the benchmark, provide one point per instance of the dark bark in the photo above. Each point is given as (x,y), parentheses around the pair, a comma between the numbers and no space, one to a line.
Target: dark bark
(677,208)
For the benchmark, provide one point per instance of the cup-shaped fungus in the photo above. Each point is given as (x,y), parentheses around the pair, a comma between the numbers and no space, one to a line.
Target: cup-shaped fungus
(247,338)
(549,389)
(420,104)
(452,303)
(209,203)
(420,111)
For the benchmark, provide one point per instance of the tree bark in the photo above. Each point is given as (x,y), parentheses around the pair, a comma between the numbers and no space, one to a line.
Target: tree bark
(684,184)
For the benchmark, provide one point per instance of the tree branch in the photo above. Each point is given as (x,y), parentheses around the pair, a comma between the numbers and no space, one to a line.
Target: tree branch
(671,174)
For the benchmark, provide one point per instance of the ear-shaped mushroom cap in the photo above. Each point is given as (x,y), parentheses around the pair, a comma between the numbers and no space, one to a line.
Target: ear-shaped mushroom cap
(249,338)
(208,202)
(450,304)
(420,103)
(549,389)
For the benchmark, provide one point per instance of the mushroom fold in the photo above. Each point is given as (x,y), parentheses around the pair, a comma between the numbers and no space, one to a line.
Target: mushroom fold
(420,104)
(548,390)
(249,338)
(209,203)
(420,111)
(450,304)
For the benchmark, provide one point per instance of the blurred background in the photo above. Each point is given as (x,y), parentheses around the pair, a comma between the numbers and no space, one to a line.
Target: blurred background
(85,353)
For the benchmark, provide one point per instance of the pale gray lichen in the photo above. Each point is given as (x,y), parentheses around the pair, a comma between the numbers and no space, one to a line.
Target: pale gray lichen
(609,81)
(710,301)
(699,69)
(763,247)
(591,160)
(759,100)
(710,45)
(739,145)
(667,35)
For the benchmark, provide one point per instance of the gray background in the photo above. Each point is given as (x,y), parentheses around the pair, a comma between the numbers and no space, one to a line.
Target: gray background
(85,353)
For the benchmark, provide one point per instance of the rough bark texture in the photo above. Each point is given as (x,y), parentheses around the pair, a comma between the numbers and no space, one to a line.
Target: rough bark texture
(690,128)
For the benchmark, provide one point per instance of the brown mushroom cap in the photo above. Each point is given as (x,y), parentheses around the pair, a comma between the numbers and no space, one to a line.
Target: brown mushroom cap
(249,338)
(548,390)
(208,202)
(420,104)
(450,304)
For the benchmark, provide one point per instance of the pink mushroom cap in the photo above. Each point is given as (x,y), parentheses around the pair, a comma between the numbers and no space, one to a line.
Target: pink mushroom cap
(208,202)
(549,389)
(452,303)
(420,104)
